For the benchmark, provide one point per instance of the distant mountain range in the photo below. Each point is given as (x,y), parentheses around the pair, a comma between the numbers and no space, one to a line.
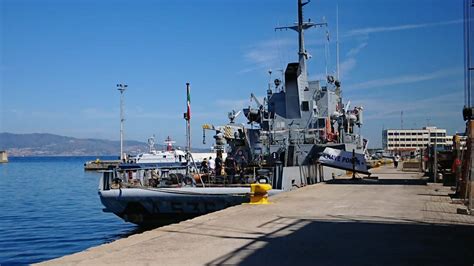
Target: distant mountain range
(43,144)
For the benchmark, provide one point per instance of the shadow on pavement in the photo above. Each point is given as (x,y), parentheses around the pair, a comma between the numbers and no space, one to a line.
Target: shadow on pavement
(377,182)
(328,242)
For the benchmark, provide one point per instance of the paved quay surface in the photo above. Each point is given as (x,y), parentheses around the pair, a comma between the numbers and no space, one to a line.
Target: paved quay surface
(397,220)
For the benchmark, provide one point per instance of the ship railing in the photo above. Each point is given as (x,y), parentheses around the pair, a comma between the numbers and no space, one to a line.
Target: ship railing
(176,177)
(192,167)
(143,177)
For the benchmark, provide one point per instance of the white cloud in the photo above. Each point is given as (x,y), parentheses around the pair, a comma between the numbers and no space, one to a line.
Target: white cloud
(370,30)
(356,50)
(351,62)
(405,79)
(266,54)
(346,66)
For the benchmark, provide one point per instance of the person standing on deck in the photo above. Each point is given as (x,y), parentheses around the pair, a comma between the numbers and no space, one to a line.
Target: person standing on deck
(219,164)
(204,166)
(241,162)
(230,167)
(212,165)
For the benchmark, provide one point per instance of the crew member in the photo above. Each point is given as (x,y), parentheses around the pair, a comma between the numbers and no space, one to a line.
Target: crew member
(219,163)
(212,164)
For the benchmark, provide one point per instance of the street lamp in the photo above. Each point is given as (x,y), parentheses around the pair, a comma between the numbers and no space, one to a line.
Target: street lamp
(121,88)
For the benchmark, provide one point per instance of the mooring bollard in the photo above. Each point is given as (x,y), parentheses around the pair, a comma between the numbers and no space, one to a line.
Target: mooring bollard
(259,193)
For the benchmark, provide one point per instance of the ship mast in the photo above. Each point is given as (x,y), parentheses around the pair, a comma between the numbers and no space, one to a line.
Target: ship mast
(337,42)
(300,28)
(187,117)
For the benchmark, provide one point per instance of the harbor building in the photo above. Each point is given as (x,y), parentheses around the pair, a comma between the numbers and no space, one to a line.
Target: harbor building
(415,139)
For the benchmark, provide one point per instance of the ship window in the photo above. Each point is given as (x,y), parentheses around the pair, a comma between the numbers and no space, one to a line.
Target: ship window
(305,106)
(164,156)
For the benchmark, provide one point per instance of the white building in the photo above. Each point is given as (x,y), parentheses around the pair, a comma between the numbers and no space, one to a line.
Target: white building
(415,139)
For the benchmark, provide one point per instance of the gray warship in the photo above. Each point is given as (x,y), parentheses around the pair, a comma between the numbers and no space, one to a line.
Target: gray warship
(280,144)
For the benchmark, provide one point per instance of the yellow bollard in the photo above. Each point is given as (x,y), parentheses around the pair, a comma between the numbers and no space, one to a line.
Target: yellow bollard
(259,193)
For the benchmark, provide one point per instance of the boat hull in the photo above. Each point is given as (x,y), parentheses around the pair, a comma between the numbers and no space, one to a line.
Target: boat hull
(158,206)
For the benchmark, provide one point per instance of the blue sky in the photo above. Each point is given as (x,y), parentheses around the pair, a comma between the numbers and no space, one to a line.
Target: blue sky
(60,61)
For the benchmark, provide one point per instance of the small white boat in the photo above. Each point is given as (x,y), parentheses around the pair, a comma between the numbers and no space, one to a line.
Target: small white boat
(170,157)
(154,158)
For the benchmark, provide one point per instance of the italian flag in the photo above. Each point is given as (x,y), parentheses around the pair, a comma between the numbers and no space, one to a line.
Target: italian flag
(188,114)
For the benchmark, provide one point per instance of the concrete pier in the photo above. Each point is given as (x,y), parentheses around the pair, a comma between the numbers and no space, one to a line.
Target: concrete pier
(100,165)
(396,220)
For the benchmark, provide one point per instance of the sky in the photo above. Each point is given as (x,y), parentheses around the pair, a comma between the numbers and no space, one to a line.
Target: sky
(60,61)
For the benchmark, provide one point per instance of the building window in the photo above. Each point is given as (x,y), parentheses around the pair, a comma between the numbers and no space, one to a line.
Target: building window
(390,134)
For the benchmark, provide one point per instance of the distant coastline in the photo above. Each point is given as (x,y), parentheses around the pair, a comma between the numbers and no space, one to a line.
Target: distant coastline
(45,144)
(59,156)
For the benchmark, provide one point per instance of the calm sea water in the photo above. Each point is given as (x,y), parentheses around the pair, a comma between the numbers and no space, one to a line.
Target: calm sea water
(49,207)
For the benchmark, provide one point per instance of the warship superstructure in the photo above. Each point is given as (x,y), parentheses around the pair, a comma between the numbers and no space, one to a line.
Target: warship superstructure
(297,120)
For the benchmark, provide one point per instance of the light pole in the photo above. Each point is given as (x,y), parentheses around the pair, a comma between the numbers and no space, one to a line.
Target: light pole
(121,88)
